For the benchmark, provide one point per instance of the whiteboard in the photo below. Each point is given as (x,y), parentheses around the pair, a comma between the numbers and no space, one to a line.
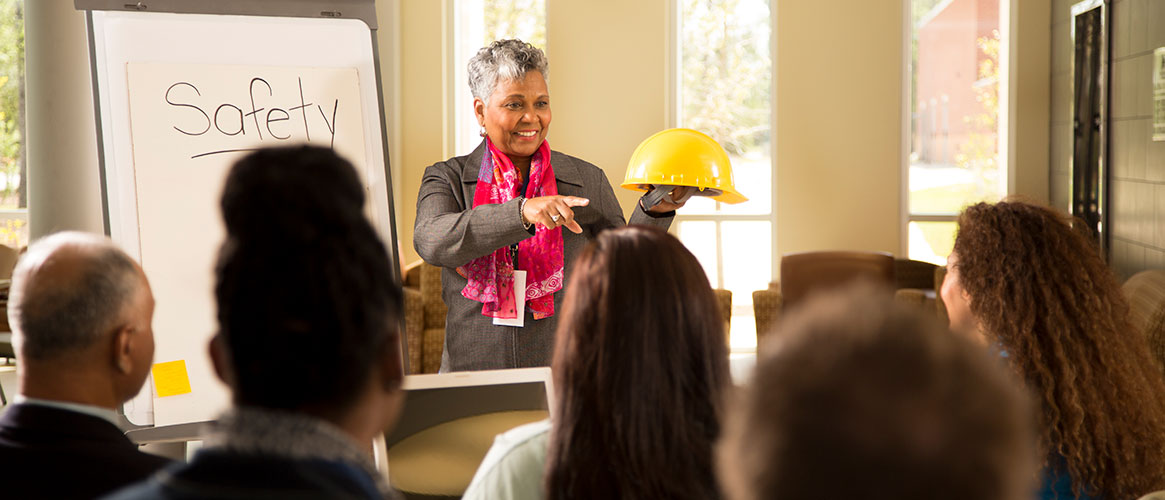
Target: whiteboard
(180,97)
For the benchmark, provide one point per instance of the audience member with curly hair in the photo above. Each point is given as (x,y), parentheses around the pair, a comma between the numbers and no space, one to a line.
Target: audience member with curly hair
(1029,284)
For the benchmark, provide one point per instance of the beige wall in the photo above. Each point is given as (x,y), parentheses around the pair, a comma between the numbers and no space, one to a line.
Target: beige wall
(423,106)
(609,84)
(1030,73)
(839,125)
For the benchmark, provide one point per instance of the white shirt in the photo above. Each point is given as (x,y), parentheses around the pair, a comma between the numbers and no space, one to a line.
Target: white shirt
(513,467)
(106,414)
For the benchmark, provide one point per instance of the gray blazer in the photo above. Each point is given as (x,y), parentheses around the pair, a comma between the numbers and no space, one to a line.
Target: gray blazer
(448,233)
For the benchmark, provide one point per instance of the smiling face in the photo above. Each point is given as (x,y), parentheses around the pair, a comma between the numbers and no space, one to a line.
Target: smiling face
(517,116)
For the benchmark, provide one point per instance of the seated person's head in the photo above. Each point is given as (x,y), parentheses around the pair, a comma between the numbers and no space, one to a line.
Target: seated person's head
(81,311)
(308,308)
(860,398)
(640,367)
(1023,279)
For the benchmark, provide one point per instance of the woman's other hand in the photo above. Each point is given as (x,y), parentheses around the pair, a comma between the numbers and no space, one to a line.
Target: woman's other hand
(554,211)
(681,193)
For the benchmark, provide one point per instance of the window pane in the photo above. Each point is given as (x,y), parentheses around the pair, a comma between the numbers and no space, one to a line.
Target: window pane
(748,267)
(956,72)
(748,257)
(478,23)
(700,238)
(13,201)
(931,241)
(725,91)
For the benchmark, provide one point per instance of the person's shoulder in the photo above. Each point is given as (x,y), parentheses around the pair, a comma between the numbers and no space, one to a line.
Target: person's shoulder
(150,489)
(513,466)
(524,434)
(558,157)
(523,447)
(451,166)
(456,164)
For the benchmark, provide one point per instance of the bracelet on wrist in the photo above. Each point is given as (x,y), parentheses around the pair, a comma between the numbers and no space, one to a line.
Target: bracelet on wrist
(522,214)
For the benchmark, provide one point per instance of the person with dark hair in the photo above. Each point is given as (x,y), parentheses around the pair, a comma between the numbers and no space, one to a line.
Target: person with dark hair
(308,340)
(640,369)
(862,398)
(81,313)
(513,206)
(1028,283)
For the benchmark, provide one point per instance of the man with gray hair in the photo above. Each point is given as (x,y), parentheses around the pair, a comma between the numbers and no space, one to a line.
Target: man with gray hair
(80,311)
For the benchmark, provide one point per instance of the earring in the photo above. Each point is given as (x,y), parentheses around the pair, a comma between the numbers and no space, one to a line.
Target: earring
(481,132)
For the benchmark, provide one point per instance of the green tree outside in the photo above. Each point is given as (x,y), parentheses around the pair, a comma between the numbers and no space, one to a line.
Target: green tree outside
(726,76)
(12,153)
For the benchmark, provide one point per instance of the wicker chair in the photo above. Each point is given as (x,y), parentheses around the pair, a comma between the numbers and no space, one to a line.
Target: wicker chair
(424,317)
(724,300)
(1145,292)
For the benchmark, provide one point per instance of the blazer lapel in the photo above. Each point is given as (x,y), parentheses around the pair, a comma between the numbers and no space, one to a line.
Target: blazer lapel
(565,170)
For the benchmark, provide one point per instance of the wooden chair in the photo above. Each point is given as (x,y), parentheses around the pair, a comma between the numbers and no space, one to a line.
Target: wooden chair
(805,273)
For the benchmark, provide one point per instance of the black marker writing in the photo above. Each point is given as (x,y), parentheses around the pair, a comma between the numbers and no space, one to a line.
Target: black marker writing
(181,105)
(237,110)
(255,111)
(301,107)
(231,120)
(331,126)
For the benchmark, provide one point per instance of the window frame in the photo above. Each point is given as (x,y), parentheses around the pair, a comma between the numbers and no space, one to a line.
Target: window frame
(455,85)
(673,95)
(1007,113)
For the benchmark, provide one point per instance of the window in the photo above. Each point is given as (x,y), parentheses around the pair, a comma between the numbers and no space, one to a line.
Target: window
(956,72)
(476,24)
(724,89)
(13,194)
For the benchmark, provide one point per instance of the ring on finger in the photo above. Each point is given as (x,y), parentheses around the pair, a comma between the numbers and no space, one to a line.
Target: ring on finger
(554,218)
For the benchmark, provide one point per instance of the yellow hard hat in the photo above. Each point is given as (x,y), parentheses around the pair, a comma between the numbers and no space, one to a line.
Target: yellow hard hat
(682,157)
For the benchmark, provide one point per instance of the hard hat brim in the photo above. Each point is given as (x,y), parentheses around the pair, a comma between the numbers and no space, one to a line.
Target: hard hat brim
(727,195)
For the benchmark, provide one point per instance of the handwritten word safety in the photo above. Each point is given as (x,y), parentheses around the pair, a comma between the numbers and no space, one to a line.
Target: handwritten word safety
(268,117)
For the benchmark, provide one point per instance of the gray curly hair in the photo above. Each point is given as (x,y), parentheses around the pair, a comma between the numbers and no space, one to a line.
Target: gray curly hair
(504,60)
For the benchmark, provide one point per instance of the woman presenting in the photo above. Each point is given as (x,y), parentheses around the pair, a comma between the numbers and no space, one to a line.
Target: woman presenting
(494,219)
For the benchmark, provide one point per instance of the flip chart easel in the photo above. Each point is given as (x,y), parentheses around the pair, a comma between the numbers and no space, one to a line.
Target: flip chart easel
(183,88)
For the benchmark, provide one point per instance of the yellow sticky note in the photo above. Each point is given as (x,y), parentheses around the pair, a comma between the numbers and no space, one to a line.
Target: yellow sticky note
(170,378)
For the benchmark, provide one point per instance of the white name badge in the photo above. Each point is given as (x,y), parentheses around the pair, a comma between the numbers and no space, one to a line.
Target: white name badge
(519,302)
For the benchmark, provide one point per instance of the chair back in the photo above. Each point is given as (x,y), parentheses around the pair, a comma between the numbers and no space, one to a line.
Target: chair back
(724,303)
(807,272)
(8,257)
(913,274)
(1145,292)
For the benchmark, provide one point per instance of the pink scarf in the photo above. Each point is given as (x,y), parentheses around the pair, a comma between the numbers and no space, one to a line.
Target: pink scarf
(491,278)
